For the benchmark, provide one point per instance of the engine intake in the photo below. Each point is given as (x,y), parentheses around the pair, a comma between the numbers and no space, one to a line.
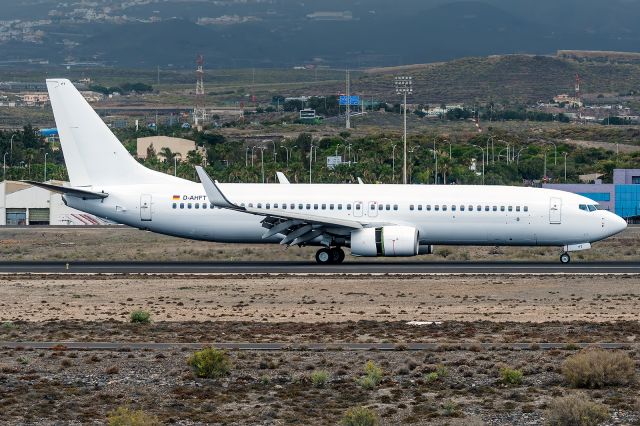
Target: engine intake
(388,241)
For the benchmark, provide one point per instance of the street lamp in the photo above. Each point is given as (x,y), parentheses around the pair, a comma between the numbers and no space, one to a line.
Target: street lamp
(483,160)
(404,86)
(45,165)
(4,167)
(544,175)
(565,166)
(274,151)
(393,162)
(311,160)
(555,152)
(11,149)
(252,148)
(262,148)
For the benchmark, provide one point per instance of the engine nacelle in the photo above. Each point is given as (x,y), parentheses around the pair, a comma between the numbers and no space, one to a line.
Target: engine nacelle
(389,241)
(425,249)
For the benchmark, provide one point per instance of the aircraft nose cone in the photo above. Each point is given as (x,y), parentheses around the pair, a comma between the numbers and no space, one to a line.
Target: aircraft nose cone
(616,223)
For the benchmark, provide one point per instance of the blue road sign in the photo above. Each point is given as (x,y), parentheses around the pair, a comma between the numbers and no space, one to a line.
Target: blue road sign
(353,100)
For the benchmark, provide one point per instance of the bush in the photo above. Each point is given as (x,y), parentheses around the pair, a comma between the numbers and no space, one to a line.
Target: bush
(509,376)
(319,378)
(431,377)
(210,363)
(596,368)
(140,317)
(576,410)
(123,416)
(360,416)
(372,377)
(8,325)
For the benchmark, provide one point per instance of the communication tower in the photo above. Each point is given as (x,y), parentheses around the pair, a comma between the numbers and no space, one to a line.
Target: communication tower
(199,112)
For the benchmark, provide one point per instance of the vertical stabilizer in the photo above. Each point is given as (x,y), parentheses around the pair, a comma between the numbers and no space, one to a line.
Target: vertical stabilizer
(92,153)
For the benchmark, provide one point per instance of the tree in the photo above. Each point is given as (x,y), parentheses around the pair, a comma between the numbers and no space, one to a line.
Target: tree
(194,157)
(168,155)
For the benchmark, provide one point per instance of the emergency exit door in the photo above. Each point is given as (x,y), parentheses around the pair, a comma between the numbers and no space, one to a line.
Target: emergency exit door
(145,207)
(555,210)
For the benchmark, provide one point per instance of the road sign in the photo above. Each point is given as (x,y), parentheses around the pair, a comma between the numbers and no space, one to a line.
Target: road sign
(334,161)
(354,100)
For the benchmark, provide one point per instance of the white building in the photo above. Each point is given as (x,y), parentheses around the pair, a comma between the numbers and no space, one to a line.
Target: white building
(23,204)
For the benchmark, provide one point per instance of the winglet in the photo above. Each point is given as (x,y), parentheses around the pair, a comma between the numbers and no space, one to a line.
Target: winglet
(216,197)
(282,178)
(360,181)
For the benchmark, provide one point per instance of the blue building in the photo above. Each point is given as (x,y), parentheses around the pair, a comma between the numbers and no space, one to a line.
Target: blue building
(621,197)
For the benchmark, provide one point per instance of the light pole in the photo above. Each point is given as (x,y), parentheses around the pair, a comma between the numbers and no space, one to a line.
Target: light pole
(45,165)
(565,166)
(246,157)
(393,162)
(435,177)
(4,167)
(252,148)
(544,175)
(483,160)
(262,148)
(518,156)
(274,151)
(287,151)
(555,153)
(404,86)
(311,160)
(434,148)
(337,146)
(11,149)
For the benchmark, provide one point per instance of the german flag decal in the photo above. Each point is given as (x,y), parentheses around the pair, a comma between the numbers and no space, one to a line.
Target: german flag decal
(176,197)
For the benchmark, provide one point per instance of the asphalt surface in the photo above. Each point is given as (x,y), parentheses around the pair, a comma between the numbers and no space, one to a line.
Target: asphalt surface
(346,346)
(313,268)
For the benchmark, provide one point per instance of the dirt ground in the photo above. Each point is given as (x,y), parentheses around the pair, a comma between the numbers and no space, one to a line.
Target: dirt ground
(116,243)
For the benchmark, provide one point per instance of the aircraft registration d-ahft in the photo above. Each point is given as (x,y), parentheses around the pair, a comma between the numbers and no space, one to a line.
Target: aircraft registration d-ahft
(371,220)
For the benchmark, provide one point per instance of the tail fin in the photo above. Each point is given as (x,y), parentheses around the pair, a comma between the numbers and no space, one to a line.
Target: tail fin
(92,153)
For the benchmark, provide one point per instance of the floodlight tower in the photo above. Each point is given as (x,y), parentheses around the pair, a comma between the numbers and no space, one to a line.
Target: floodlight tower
(404,86)
(348,114)
(199,112)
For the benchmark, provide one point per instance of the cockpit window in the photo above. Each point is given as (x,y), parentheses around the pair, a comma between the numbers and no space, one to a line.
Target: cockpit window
(584,207)
(592,208)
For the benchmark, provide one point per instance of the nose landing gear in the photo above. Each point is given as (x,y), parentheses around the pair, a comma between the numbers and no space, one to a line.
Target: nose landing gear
(327,256)
(565,258)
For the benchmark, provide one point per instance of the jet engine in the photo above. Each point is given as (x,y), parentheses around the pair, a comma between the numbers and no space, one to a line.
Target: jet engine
(389,241)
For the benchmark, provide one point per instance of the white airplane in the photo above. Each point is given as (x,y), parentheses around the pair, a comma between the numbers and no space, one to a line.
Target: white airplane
(372,220)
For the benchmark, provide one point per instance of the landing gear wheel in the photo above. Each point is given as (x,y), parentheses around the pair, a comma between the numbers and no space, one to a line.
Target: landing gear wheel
(337,255)
(324,256)
(565,258)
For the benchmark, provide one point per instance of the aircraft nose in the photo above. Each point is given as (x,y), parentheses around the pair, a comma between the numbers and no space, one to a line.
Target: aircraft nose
(616,224)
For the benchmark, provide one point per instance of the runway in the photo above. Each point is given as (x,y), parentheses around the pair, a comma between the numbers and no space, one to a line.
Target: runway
(382,267)
(345,346)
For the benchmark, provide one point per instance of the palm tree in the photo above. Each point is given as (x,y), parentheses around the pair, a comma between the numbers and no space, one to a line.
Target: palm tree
(195,158)
(167,154)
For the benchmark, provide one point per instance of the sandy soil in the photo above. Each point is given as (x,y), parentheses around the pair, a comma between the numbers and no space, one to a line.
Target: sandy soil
(322,299)
(122,243)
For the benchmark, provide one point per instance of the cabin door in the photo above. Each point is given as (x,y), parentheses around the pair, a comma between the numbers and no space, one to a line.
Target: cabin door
(145,207)
(555,210)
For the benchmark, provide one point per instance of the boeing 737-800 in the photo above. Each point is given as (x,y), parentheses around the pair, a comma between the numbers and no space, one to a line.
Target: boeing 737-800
(372,220)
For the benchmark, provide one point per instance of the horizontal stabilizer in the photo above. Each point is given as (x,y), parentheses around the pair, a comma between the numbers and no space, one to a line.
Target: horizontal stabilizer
(74,192)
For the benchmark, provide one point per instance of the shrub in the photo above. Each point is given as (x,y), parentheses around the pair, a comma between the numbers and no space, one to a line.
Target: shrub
(431,377)
(8,325)
(442,371)
(509,376)
(210,363)
(576,410)
(319,378)
(595,368)
(140,317)
(123,416)
(360,416)
(372,377)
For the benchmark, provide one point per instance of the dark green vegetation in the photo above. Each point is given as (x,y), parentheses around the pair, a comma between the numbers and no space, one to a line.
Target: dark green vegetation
(210,363)
(140,317)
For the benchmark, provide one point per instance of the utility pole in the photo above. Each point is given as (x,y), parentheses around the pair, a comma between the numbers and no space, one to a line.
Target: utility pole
(348,113)
(404,86)
(565,167)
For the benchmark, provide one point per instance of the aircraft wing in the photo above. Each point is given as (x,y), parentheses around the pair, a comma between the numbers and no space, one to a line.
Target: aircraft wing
(297,227)
(74,192)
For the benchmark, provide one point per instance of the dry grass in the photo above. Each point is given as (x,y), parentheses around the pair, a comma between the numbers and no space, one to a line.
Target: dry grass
(597,368)
(576,410)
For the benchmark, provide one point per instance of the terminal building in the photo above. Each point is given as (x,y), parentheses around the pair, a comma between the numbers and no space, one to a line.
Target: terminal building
(22,204)
(621,197)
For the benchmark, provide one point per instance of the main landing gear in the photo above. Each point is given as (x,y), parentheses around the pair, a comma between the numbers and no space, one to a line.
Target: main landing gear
(327,256)
(565,258)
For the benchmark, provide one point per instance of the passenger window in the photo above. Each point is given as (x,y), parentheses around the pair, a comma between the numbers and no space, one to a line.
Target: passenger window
(420,207)
(241,205)
(480,208)
(461,208)
(268,206)
(324,207)
(348,206)
(470,208)
(436,207)
(315,207)
(444,208)
(189,205)
(204,205)
(300,207)
(526,208)
(487,208)
(395,207)
(211,206)
(584,207)
(197,205)
(411,207)
(284,206)
(259,205)
(251,205)
(275,205)
(372,206)
(357,206)
(330,206)
(517,208)
(292,206)
(182,205)
(380,206)
(339,206)
(174,205)
(501,208)
(495,208)
(388,207)
(428,207)
(453,208)
(510,208)
(308,206)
